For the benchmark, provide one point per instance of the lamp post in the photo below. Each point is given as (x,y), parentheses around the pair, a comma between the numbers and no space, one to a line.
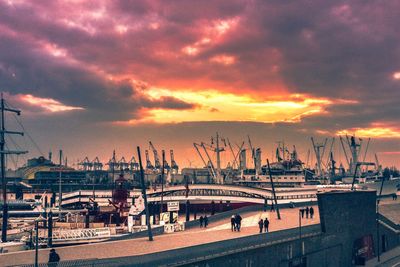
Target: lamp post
(37,220)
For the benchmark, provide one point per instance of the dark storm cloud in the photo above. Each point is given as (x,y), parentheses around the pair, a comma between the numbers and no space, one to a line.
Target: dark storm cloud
(25,71)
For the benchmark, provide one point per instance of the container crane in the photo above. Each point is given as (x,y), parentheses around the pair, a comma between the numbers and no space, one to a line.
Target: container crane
(133,164)
(149,166)
(166,165)
(174,166)
(86,164)
(157,164)
(97,165)
(123,165)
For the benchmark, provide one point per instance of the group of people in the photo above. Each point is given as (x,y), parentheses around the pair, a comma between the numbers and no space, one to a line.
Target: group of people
(309,212)
(263,224)
(236,222)
(203,221)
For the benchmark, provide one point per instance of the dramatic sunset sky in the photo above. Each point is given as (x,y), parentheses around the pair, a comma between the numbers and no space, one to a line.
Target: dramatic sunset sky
(91,76)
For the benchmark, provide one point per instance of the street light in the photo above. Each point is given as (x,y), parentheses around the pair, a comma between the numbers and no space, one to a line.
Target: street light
(37,220)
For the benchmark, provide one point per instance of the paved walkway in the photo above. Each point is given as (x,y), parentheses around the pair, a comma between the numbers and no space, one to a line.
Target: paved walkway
(216,231)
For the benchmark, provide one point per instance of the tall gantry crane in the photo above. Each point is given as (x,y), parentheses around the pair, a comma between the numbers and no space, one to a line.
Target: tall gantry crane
(97,165)
(86,164)
(149,165)
(157,164)
(134,166)
(123,165)
(166,165)
(174,166)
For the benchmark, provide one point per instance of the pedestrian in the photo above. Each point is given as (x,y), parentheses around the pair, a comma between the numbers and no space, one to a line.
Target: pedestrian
(311,212)
(272,207)
(54,258)
(307,211)
(205,221)
(233,226)
(201,221)
(238,222)
(302,212)
(261,225)
(266,225)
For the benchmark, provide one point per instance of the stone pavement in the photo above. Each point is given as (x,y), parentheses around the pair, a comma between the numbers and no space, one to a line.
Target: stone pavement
(216,231)
(390,209)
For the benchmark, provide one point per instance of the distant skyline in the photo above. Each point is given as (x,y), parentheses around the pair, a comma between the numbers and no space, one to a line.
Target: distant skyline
(93,76)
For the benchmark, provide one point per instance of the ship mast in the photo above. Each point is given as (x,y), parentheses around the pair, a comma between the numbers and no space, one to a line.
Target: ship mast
(3,154)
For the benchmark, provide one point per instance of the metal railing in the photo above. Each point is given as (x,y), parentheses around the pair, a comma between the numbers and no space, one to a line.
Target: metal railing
(81,234)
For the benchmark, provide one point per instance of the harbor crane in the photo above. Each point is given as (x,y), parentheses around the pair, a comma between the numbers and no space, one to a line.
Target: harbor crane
(215,147)
(134,166)
(97,165)
(253,157)
(112,163)
(86,164)
(235,156)
(174,166)
(319,154)
(166,165)
(123,165)
(157,164)
(209,166)
(149,165)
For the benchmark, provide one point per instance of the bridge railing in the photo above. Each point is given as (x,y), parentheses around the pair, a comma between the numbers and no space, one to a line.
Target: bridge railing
(80,234)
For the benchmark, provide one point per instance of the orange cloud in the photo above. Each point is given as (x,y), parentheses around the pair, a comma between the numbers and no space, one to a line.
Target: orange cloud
(47,104)
(231,107)
(377,130)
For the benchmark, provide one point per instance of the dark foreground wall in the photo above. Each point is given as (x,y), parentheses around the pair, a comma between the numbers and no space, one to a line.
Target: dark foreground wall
(349,218)
(347,237)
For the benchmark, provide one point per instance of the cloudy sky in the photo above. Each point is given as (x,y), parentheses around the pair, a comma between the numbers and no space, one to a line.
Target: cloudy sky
(91,76)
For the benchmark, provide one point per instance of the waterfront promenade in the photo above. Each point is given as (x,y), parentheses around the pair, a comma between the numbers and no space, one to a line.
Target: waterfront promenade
(216,231)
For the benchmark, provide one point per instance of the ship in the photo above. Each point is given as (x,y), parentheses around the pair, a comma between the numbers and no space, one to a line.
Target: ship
(287,171)
(368,175)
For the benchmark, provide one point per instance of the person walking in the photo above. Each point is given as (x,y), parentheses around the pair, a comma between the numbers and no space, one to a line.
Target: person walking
(302,212)
(261,225)
(311,212)
(266,225)
(233,225)
(201,221)
(205,221)
(307,212)
(238,221)
(54,258)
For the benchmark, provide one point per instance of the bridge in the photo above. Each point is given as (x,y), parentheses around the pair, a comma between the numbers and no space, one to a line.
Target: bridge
(201,193)
(233,193)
